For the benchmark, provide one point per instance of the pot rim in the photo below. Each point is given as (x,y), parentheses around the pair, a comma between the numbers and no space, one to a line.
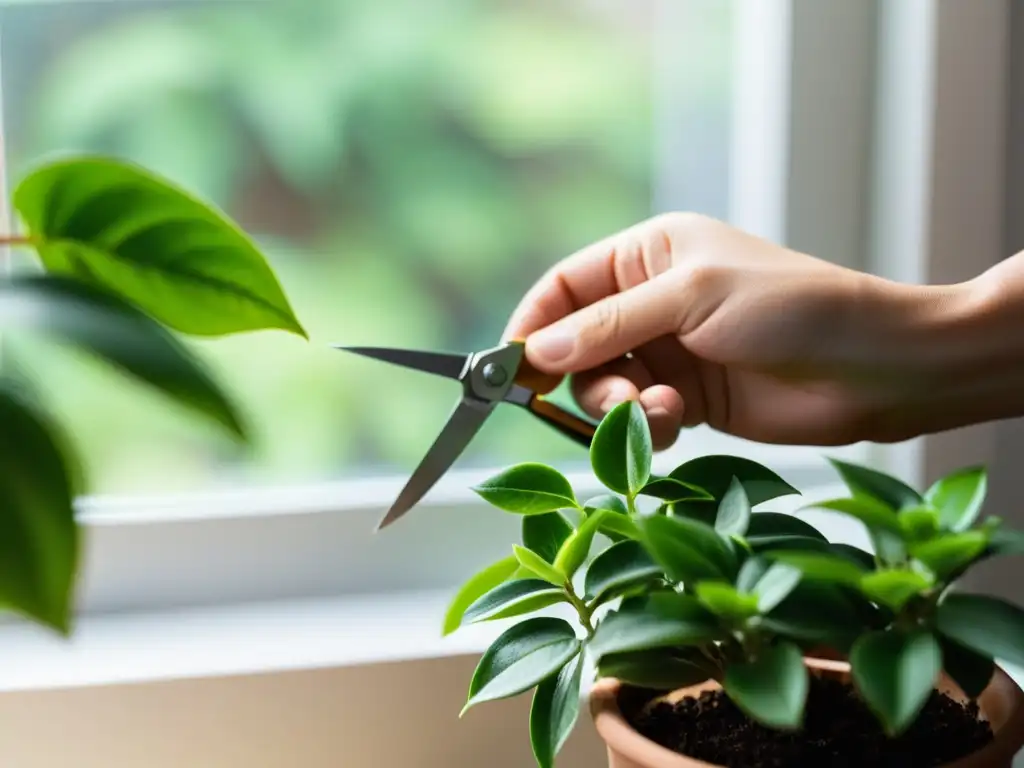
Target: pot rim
(621,737)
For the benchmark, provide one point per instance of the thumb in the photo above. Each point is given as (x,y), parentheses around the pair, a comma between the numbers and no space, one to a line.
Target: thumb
(607,329)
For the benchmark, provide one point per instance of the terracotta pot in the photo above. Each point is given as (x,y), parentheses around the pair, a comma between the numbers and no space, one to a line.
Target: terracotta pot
(1002,704)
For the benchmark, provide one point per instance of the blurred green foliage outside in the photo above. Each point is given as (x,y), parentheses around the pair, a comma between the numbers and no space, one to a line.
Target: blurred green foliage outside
(409,166)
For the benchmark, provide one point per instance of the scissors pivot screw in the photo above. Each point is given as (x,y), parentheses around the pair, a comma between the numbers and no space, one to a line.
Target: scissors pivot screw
(495,375)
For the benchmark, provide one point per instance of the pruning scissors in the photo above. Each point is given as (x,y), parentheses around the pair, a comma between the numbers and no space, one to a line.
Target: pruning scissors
(498,375)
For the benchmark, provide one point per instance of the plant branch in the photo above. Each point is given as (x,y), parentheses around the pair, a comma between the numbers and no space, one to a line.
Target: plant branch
(15,240)
(581,609)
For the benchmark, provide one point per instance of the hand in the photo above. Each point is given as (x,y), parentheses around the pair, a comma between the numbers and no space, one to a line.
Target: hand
(727,329)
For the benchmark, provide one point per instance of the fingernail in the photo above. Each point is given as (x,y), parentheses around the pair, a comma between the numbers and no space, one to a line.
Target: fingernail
(552,345)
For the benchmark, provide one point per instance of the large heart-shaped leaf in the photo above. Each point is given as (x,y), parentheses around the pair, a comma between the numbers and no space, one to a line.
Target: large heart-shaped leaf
(772,688)
(621,449)
(528,489)
(556,705)
(895,673)
(39,539)
(522,656)
(117,333)
(112,224)
(475,587)
(715,473)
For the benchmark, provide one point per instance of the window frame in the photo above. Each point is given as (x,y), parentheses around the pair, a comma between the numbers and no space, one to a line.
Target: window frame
(790,182)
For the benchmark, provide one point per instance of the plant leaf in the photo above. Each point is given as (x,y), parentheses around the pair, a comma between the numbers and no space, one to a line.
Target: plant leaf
(865,482)
(986,625)
(608,502)
(821,566)
(556,706)
(672,490)
(660,669)
(895,672)
(119,334)
(874,514)
(820,612)
(528,489)
(575,550)
(715,473)
(620,452)
(733,511)
(117,226)
(894,588)
(618,527)
(545,534)
(538,566)
(724,600)
(792,543)
(775,585)
(475,587)
(657,620)
(779,524)
(864,559)
(950,553)
(889,547)
(522,656)
(751,571)
(970,670)
(918,523)
(621,565)
(688,551)
(959,497)
(39,538)
(772,689)
(508,593)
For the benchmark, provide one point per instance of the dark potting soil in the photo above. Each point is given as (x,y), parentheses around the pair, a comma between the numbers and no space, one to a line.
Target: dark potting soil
(838,732)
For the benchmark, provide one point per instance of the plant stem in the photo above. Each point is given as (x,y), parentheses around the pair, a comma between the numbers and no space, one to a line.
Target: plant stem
(581,609)
(631,504)
(14,240)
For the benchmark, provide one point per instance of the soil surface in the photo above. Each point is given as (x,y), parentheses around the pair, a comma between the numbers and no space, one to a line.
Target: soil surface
(839,731)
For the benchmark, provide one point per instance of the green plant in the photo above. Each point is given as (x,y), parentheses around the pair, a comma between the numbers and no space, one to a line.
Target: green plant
(702,587)
(127,260)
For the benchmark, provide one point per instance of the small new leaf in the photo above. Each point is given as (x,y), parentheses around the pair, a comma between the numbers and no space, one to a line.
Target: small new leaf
(556,706)
(478,585)
(895,672)
(894,588)
(538,566)
(725,601)
(733,511)
(511,594)
(949,554)
(772,689)
(575,549)
(528,489)
(522,656)
(620,452)
(959,497)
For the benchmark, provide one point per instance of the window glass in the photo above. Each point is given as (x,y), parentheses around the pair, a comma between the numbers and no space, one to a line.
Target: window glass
(409,167)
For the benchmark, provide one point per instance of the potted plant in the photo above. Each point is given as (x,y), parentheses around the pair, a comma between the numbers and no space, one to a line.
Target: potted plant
(128,261)
(724,636)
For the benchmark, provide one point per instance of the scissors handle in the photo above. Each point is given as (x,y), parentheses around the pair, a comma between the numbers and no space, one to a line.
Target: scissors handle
(534,379)
(568,424)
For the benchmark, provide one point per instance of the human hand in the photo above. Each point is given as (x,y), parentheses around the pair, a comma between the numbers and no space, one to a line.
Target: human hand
(727,329)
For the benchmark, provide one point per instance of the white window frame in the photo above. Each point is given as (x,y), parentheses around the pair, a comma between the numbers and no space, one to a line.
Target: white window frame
(834,178)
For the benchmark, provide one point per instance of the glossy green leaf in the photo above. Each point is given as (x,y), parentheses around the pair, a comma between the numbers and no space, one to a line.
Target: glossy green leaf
(959,497)
(621,449)
(528,489)
(671,490)
(819,612)
(556,706)
(733,511)
(475,587)
(661,669)
(114,225)
(726,601)
(117,333)
(865,482)
(621,565)
(658,620)
(523,656)
(772,688)
(1004,541)
(788,543)
(538,566)
(39,539)
(753,568)
(894,588)
(701,511)
(918,523)
(775,585)
(896,672)
(508,594)
(618,527)
(608,502)
(874,514)
(545,534)
(889,546)
(864,559)
(779,524)
(688,551)
(987,625)
(970,670)
(950,553)
(575,550)
(715,473)
(821,566)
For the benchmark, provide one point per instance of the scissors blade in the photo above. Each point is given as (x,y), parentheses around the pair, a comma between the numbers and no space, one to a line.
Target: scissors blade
(445,364)
(463,424)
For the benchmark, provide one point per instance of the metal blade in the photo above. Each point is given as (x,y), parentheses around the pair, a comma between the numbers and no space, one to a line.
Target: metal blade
(463,424)
(445,364)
